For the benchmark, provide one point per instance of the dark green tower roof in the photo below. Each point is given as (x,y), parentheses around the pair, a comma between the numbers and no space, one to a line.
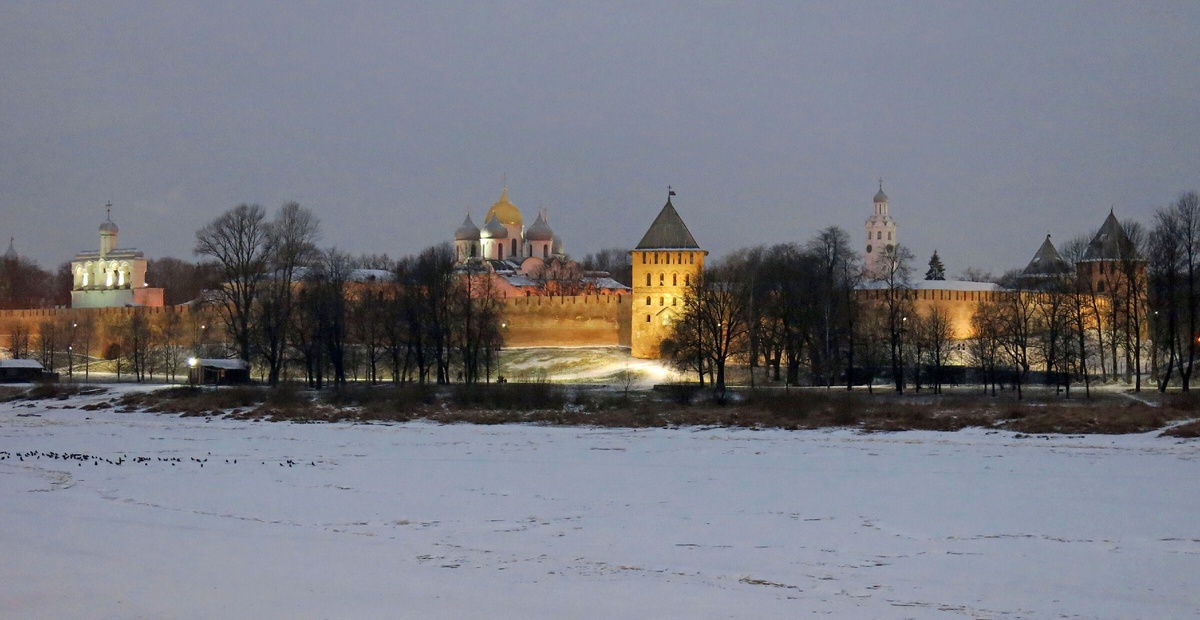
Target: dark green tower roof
(668,232)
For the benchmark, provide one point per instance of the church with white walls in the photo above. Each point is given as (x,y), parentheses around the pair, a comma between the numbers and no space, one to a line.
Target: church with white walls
(504,236)
(111,277)
(517,256)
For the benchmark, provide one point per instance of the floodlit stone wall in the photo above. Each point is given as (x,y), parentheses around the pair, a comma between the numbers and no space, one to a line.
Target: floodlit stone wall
(581,320)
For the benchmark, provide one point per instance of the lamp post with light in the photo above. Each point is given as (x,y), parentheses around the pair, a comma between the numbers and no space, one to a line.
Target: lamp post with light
(71,354)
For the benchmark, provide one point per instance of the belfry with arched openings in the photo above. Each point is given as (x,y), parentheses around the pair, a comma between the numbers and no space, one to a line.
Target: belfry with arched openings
(111,277)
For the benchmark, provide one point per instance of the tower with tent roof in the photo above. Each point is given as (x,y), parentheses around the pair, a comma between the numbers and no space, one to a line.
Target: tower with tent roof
(665,264)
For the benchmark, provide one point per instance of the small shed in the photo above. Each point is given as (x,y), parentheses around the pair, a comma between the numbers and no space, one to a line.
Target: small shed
(217,371)
(20,371)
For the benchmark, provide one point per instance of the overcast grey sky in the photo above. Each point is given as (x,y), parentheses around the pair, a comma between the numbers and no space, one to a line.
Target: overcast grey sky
(991,123)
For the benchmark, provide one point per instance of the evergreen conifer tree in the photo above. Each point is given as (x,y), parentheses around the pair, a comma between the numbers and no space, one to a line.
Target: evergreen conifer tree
(937,271)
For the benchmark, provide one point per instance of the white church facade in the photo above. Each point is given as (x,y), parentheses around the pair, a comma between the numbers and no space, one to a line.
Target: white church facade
(504,236)
(111,277)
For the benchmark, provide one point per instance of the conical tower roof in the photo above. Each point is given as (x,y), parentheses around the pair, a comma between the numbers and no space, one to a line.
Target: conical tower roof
(668,232)
(1111,243)
(1047,262)
(12,252)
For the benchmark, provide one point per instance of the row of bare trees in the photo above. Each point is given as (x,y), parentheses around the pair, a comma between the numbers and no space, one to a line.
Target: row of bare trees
(137,344)
(285,303)
(782,307)
(1174,290)
(23,284)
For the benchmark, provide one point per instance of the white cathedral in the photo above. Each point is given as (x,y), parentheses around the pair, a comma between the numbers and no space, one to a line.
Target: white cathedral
(504,236)
(111,277)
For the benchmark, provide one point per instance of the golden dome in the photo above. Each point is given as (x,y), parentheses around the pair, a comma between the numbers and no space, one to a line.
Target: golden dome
(505,211)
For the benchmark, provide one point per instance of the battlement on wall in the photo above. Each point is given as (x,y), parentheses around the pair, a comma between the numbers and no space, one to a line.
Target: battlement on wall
(42,314)
(578,320)
(541,300)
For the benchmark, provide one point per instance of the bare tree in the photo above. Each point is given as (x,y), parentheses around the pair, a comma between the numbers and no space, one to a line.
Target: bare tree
(841,274)
(18,333)
(719,304)
(1133,298)
(986,346)
(937,332)
(239,241)
(50,341)
(291,238)
(1167,271)
(893,276)
(171,335)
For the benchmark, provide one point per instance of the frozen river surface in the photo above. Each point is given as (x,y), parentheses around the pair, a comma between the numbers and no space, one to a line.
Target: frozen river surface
(231,519)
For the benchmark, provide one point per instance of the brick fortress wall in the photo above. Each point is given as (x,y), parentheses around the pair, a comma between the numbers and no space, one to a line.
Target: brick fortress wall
(581,320)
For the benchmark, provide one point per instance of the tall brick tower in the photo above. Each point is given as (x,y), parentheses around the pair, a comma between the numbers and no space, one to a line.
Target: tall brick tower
(665,263)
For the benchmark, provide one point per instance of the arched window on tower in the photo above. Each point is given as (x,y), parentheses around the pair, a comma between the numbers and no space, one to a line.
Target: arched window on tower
(687,279)
(647,300)
(514,247)
(674,279)
(647,279)
(546,251)
(662,279)
(889,235)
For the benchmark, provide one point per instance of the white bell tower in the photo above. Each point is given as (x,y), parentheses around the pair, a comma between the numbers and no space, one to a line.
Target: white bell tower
(881,232)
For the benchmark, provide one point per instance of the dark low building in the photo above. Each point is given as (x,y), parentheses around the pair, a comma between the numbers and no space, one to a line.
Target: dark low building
(20,371)
(217,371)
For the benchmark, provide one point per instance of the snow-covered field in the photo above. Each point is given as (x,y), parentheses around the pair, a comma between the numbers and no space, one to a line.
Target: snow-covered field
(267,520)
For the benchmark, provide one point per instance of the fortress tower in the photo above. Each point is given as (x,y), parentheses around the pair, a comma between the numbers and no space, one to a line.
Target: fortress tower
(881,232)
(665,263)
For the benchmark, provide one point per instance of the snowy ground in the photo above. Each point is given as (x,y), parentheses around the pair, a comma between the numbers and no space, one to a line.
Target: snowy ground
(422,521)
